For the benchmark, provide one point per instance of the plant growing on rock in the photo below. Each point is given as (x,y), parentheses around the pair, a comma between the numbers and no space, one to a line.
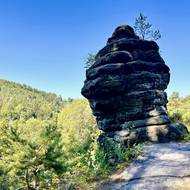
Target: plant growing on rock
(89,60)
(144,29)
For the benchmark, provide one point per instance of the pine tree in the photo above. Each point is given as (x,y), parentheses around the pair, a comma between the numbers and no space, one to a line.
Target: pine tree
(144,29)
(30,164)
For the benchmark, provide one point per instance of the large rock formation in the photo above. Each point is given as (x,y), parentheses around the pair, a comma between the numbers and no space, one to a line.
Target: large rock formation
(125,87)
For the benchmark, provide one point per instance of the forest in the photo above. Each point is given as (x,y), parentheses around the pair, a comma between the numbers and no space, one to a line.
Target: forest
(48,142)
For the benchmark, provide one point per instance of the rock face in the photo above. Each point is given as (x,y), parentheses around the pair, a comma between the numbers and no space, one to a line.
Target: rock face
(125,87)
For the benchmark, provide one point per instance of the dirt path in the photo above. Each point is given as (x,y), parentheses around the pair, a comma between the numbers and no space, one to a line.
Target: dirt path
(160,167)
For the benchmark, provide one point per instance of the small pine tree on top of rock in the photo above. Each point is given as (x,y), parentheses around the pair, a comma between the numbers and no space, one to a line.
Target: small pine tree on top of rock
(144,29)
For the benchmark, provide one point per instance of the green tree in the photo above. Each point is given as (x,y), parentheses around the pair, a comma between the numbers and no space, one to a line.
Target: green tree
(32,163)
(79,134)
(144,29)
(179,109)
(76,123)
(90,59)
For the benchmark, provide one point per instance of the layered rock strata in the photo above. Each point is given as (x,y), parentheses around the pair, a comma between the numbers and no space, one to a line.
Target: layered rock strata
(125,87)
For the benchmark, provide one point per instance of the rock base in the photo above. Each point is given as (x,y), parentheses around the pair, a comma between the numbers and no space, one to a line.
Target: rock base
(153,133)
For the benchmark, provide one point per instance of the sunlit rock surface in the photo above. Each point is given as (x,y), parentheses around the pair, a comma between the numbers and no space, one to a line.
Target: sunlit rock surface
(160,167)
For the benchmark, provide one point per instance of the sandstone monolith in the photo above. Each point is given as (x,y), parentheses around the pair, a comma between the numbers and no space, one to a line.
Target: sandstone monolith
(125,88)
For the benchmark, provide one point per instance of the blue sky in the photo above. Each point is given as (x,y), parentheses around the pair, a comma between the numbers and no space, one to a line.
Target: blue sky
(43,43)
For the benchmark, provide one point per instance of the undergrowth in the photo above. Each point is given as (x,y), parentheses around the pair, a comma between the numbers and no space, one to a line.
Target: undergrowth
(96,163)
(186,137)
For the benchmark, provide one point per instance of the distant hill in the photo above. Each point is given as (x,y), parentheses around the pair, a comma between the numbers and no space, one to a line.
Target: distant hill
(23,102)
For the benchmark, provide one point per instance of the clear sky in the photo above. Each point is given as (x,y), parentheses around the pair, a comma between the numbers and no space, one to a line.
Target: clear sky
(43,43)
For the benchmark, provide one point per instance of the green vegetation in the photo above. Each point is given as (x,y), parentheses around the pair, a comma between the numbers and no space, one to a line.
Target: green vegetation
(31,146)
(50,143)
(89,60)
(144,29)
(179,109)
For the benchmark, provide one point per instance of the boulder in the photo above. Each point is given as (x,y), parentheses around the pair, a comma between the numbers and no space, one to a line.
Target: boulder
(125,88)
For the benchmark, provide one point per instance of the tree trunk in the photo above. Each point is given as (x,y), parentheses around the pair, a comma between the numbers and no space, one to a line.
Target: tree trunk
(36,181)
(27,181)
